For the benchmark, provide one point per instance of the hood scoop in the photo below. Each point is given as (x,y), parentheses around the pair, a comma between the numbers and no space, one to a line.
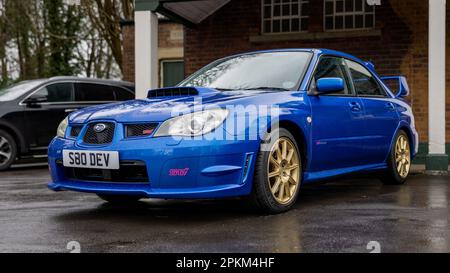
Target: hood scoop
(180,92)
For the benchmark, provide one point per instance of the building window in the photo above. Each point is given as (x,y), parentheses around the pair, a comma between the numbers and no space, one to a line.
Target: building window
(172,72)
(284,16)
(348,15)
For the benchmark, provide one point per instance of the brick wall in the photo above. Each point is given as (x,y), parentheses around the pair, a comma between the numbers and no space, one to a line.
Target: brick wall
(128,52)
(398,47)
(170,44)
(170,35)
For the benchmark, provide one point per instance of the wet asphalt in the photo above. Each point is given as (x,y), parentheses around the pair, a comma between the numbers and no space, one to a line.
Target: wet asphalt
(340,216)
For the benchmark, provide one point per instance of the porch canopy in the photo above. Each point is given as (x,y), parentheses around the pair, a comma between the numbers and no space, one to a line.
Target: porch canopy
(186,12)
(192,12)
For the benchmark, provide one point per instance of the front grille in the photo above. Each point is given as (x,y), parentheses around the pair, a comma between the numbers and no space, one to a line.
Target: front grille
(96,137)
(173,92)
(129,172)
(75,131)
(140,130)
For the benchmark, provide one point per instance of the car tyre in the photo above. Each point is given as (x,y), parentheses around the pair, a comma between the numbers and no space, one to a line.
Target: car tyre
(8,150)
(120,199)
(399,161)
(278,173)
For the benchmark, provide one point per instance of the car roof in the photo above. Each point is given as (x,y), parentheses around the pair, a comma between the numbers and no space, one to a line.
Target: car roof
(320,51)
(325,51)
(89,80)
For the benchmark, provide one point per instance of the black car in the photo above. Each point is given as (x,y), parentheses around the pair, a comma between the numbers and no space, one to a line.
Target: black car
(30,111)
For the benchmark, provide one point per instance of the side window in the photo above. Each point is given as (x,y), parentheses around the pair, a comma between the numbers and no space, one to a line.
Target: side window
(58,92)
(364,82)
(331,67)
(93,92)
(122,94)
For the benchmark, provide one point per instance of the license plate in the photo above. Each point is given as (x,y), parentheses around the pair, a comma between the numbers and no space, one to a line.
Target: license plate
(91,159)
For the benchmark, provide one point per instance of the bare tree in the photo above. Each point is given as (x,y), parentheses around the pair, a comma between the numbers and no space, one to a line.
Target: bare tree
(106,16)
(18,28)
(94,56)
(3,41)
(42,38)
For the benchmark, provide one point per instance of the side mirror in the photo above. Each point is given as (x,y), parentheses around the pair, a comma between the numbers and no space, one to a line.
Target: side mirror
(329,85)
(35,102)
(398,85)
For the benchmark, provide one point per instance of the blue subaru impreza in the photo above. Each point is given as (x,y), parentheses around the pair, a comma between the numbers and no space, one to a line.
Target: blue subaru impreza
(259,124)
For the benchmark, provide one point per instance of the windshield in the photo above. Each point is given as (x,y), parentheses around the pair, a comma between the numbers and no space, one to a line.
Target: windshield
(274,71)
(15,91)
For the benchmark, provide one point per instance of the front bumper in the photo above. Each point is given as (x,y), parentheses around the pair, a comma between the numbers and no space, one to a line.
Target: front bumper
(215,168)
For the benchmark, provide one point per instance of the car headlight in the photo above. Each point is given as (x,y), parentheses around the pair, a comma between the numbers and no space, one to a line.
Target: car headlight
(194,124)
(61,132)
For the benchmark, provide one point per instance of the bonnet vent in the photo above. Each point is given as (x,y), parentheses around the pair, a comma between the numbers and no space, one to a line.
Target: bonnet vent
(173,92)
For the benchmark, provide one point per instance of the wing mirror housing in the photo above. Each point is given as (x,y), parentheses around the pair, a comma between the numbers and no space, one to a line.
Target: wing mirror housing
(398,85)
(329,85)
(34,102)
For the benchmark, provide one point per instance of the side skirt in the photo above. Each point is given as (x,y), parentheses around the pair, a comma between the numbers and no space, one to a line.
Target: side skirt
(310,177)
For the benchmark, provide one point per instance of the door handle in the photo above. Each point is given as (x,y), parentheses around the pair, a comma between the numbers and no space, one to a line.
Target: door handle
(70,110)
(390,106)
(355,106)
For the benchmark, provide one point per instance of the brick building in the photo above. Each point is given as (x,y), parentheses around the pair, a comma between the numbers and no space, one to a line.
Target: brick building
(170,52)
(393,34)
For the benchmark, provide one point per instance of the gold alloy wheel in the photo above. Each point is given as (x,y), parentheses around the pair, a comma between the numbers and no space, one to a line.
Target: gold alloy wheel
(402,156)
(283,170)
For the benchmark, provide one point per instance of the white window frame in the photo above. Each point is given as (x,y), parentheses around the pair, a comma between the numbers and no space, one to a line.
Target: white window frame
(280,18)
(353,13)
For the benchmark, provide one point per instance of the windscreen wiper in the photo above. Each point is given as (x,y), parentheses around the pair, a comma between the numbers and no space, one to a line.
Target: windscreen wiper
(266,88)
(223,89)
(252,88)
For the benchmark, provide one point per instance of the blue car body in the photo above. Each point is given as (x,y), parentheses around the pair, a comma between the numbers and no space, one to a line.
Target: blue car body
(334,138)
